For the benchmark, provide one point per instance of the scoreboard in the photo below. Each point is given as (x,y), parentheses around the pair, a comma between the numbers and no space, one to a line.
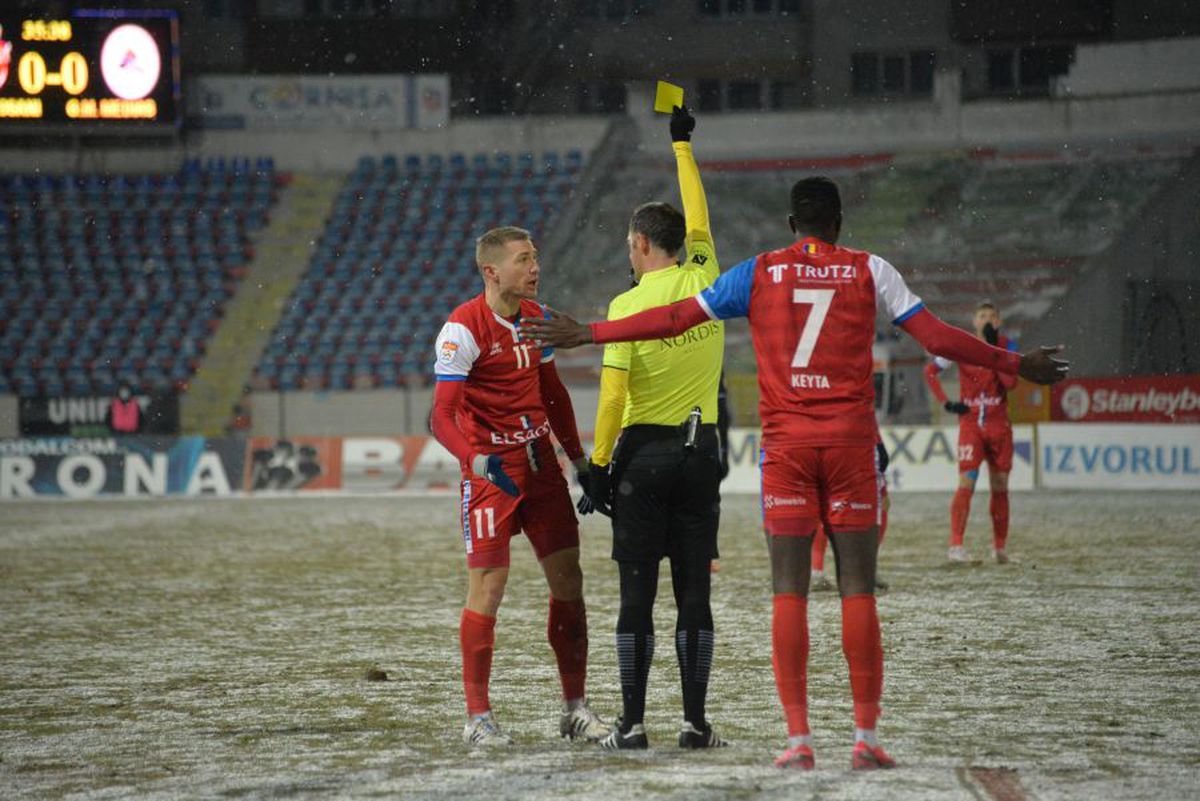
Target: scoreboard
(90,71)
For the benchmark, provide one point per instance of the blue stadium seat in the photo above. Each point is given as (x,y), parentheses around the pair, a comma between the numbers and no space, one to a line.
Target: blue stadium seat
(391,263)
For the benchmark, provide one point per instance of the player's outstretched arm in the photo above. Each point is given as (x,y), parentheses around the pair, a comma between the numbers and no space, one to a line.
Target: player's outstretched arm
(940,339)
(1040,366)
(1009,382)
(560,331)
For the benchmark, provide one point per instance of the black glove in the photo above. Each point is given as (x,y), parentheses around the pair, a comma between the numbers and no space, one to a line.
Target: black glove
(956,407)
(597,490)
(682,124)
(585,505)
(882,454)
(991,334)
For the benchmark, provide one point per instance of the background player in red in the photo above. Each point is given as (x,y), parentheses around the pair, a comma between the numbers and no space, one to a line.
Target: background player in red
(497,399)
(812,310)
(984,432)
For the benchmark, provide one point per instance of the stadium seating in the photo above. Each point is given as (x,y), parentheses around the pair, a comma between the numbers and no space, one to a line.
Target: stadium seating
(122,278)
(396,256)
(1014,227)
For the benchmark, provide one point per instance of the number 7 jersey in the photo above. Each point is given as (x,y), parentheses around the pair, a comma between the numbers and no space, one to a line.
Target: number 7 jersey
(812,309)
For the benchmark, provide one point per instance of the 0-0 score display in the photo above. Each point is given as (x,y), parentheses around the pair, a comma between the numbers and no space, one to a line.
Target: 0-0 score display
(97,70)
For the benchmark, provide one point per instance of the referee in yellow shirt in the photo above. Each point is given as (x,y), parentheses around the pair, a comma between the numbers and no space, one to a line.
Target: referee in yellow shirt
(664,478)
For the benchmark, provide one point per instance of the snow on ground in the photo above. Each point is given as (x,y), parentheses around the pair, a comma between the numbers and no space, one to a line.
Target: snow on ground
(219,649)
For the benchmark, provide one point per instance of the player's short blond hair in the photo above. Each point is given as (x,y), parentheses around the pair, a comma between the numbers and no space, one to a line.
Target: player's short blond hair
(487,245)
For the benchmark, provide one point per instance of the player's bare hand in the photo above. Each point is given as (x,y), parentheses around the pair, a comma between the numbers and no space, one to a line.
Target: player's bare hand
(1040,366)
(557,330)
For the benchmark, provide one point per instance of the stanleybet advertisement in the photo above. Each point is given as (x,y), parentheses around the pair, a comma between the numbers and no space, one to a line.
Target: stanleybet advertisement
(1127,399)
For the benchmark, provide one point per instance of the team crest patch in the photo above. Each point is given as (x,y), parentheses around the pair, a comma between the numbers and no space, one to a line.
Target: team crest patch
(809,248)
(449,349)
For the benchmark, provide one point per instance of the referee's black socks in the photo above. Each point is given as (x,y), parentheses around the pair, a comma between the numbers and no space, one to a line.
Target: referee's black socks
(692,582)
(635,636)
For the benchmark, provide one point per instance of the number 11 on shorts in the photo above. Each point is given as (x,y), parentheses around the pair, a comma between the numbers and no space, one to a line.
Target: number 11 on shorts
(490,513)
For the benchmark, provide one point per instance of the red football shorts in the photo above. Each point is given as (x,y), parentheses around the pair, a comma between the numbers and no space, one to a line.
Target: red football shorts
(993,443)
(543,511)
(837,484)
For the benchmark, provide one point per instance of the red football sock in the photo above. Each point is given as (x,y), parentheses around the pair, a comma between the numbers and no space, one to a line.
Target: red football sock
(999,520)
(477,638)
(789,655)
(566,628)
(960,509)
(819,541)
(863,646)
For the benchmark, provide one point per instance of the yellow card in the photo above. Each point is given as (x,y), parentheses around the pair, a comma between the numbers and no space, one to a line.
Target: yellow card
(667,96)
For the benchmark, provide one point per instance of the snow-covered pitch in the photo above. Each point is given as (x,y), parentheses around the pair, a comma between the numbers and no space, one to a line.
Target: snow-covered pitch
(219,648)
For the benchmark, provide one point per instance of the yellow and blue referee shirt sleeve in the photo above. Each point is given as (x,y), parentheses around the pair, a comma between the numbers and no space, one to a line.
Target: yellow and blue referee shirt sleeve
(701,250)
(729,295)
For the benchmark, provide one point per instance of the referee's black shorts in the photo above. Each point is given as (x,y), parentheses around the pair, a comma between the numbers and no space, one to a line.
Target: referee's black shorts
(666,498)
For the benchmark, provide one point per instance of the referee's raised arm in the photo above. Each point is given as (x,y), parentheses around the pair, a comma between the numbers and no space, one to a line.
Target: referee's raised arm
(701,249)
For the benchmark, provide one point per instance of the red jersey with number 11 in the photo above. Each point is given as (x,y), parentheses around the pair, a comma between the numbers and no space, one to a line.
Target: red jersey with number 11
(502,406)
(812,310)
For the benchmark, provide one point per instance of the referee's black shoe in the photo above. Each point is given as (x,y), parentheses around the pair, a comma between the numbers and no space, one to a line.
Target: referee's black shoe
(622,738)
(692,737)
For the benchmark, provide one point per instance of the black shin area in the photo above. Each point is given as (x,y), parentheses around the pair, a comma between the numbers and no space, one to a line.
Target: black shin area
(691,579)
(635,635)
